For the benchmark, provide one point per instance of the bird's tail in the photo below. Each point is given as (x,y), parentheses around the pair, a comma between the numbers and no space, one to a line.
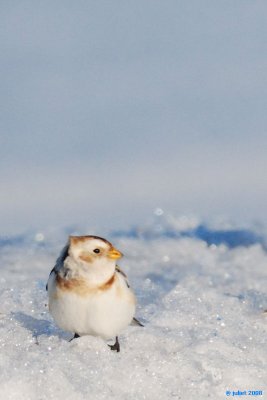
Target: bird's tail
(136,322)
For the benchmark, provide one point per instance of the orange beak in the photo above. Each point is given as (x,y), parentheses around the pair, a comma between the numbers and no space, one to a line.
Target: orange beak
(114,254)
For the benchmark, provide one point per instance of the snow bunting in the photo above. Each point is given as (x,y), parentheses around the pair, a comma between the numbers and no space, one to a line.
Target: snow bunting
(88,293)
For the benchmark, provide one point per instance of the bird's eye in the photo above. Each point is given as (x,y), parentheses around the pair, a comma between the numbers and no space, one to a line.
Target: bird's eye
(96,251)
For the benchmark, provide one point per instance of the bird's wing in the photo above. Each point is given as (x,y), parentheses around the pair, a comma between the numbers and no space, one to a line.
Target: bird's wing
(123,274)
(60,260)
(135,321)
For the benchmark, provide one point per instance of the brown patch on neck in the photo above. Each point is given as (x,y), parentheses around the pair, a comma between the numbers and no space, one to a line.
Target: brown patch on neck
(77,286)
(80,287)
(108,284)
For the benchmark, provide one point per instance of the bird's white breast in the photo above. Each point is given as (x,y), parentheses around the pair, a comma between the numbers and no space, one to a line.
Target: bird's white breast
(101,312)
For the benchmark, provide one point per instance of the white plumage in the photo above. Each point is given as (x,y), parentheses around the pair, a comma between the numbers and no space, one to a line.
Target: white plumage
(88,293)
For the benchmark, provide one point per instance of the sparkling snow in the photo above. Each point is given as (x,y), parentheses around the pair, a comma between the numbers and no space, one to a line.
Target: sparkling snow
(202,303)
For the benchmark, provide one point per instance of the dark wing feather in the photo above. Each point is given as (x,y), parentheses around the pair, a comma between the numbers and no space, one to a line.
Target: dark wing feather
(60,260)
(52,270)
(123,274)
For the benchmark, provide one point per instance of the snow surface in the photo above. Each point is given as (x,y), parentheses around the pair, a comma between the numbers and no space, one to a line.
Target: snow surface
(202,303)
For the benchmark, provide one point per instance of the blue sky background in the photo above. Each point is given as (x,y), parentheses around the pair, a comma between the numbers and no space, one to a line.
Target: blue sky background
(111,109)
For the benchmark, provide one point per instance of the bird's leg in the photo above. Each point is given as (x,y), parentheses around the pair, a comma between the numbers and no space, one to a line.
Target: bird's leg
(74,337)
(116,345)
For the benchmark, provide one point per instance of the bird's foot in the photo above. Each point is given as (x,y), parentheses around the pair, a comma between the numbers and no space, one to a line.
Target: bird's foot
(74,337)
(115,346)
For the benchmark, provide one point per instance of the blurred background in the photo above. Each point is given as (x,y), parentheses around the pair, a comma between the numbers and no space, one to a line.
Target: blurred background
(113,111)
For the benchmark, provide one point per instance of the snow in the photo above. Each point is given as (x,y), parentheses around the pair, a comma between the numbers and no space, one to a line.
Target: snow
(202,303)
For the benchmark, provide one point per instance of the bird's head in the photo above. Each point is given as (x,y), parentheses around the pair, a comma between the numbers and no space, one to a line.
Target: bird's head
(95,256)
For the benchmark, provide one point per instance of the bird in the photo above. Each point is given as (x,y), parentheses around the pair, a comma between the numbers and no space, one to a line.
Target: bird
(88,293)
